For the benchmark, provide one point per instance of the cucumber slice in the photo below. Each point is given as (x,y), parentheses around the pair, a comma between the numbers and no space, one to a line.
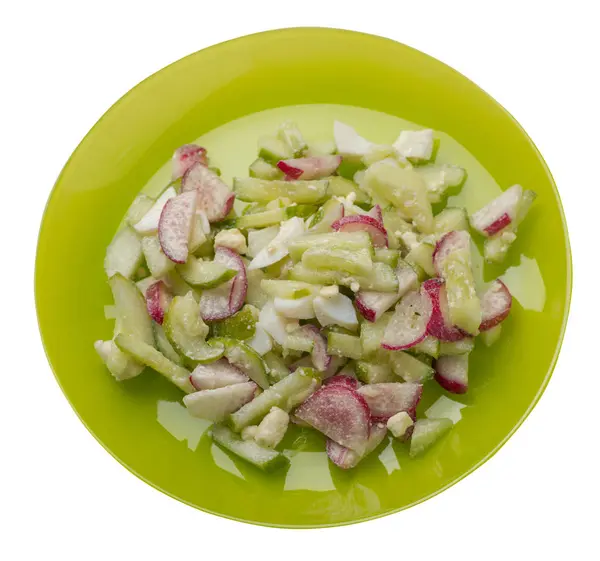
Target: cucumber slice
(461,347)
(139,207)
(322,220)
(374,373)
(132,315)
(351,241)
(263,458)
(205,274)
(119,364)
(158,263)
(301,192)
(421,256)
(340,187)
(340,344)
(496,247)
(395,225)
(289,133)
(124,254)
(388,256)
(276,368)
(382,278)
(357,262)
(451,218)
(371,334)
(273,149)
(218,403)
(350,167)
(187,332)
(246,359)
(256,296)
(291,290)
(285,394)
(297,341)
(490,336)
(426,433)
(463,303)
(409,368)
(241,325)
(324,148)
(149,356)
(429,346)
(261,169)
(405,189)
(439,178)
(163,344)
(262,219)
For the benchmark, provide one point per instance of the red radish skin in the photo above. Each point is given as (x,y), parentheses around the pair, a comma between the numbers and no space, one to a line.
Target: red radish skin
(215,198)
(346,459)
(372,305)
(447,244)
(307,169)
(408,326)
(186,156)
(225,300)
(439,325)
(386,399)
(343,380)
(320,359)
(451,372)
(175,226)
(363,223)
(498,225)
(339,413)
(158,299)
(376,213)
(495,305)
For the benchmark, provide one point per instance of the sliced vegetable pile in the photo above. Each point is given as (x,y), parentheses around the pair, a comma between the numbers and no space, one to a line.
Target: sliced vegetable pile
(327,296)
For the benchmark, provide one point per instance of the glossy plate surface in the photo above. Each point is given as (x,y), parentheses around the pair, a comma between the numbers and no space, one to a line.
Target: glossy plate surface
(228,95)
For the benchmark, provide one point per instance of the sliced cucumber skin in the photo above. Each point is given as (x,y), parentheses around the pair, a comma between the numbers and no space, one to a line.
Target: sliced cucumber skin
(461,347)
(301,192)
(246,359)
(261,169)
(348,346)
(355,262)
(132,315)
(285,394)
(272,149)
(374,373)
(148,355)
(276,367)
(354,241)
(341,187)
(261,219)
(263,458)
(449,219)
(388,256)
(422,257)
(163,344)
(426,433)
(119,364)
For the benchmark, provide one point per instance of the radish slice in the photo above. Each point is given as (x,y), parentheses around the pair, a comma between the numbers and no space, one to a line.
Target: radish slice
(148,224)
(450,242)
(408,325)
(310,168)
(495,305)
(320,359)
(376,213)
(387,399)
(186,156)
(227,299)
(175,226)
(339,413)
(499,213)
(216,375)
(348,141)
(343,380)
(157,301)
(364,223)
(345,458)
(215,198)
(439,325)
(452,373)
(372,305)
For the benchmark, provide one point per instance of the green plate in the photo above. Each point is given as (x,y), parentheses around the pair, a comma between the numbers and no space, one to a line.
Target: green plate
(228,95)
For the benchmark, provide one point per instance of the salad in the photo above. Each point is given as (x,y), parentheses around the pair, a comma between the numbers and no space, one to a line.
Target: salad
(321,291)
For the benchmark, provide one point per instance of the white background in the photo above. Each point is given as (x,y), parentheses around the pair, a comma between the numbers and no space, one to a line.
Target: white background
(64,63)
